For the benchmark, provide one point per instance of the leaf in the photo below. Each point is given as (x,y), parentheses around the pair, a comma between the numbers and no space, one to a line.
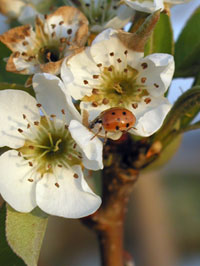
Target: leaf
(187,48)
(161,41)
(181,115)
(7,257)
(6,76)
(25,232)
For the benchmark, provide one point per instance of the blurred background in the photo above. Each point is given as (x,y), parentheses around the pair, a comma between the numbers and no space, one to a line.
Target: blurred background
(163,219)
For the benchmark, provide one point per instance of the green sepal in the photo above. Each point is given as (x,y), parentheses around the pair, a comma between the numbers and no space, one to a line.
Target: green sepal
(14,86)
(161,40)
(7,256)
(25,233)
(187,48)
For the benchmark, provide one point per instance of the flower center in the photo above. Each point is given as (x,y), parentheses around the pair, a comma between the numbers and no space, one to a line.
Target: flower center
(117,85)
(48,53)
(49,144)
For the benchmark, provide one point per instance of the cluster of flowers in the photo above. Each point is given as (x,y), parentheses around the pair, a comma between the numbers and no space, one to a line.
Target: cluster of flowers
(49,145)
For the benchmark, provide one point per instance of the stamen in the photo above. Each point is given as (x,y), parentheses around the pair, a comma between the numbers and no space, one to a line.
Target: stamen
(143,80)
(95,76)
(30,164)
(75,175)
(69,31)
(144,65)
(147,100)
(112,54)
(30,180)
(95,91)
(57,185)
(95,104)
(85,82)
(135,105)
(156,85)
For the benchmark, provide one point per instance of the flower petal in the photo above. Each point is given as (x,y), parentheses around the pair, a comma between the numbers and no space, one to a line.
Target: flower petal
(71,197)
(158,72)
(147,6)
(49,92)
(91,148)
(14,185)
(151,119)
(13,104)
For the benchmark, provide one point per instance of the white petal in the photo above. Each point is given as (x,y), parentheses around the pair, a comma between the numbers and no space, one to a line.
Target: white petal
(79,68)
(151,119)
(108,42)
(49,92)
(72,199)
(91,148)
(13,104)
(158,73)
(145,6)
(14,185)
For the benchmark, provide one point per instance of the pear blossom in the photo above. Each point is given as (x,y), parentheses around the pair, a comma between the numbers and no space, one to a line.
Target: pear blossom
(104,14)
(109,74)
(25,11)
(48,149)
(43,50)
(150,6)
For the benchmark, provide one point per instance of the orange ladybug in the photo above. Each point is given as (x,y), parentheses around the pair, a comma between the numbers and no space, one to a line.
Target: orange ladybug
(113,120)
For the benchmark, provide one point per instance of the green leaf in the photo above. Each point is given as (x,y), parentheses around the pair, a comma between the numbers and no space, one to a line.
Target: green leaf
(25,232)
(187,48)
(161,41)
(6,76)
(7,257)
(180,116)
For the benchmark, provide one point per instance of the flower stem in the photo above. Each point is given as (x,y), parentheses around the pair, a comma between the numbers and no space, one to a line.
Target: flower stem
(108,221)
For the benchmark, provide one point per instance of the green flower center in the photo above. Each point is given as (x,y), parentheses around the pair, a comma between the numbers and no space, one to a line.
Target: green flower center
(117,87)
(49,144)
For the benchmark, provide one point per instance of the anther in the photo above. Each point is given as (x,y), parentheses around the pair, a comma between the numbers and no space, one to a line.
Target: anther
(95,91)
(125,70)
(135,105)
(63,111)
(74,146)
(24,54)
(75,176)
(30,164)
(99,65)
(94,104)
(16,54)
(69,31)
(53,26)
(112,54)
(49,166)
(20,130)
(61,22)
(144,65)
(52,116)
(60,165)
(126,52)
(31,147)
(25,43)
(36,123)
(85,82)
(45,16)
(119,60)
(30,180)
(39,105)
(57,185)
(95,76)
(19,154)
(156,85)
(28,125)
(105,101)
(147,100)
(110,68)
(143,80)
(24,116)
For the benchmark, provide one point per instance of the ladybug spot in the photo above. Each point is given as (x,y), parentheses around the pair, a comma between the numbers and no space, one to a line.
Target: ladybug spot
(124,113)
(127,125)
(117,127)
(113,113)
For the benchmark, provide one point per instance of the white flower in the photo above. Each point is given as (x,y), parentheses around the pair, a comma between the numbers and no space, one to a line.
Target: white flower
(43,50)
(150,6)
(108,74)
(25,11)
(103,14)
(44,165)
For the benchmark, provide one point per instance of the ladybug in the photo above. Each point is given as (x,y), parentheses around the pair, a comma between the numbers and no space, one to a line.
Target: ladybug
(113,120)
